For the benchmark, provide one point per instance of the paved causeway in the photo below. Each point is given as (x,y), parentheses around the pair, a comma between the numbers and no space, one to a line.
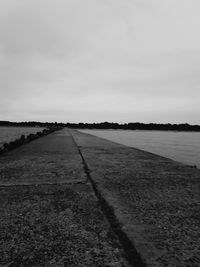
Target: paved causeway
(72,199)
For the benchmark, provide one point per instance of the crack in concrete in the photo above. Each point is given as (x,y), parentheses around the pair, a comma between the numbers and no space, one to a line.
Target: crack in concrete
(71,182)
(132,255)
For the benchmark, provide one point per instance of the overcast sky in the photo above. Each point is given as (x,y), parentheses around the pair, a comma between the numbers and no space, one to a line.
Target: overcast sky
(100,60)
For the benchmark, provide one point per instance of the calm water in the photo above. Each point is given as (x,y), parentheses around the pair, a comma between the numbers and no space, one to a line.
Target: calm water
(8,134)
(180,146)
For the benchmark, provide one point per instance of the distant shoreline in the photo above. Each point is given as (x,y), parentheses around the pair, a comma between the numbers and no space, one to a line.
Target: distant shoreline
(183,127)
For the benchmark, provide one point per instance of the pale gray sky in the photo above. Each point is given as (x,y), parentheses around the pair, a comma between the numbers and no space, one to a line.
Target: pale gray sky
(100,60)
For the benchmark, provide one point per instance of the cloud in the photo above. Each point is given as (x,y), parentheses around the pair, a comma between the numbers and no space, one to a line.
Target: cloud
(98,60)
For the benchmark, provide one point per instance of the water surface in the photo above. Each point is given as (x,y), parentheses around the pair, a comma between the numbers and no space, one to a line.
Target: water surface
(180,146)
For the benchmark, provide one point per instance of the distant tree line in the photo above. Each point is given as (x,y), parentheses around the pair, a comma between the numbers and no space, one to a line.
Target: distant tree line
(109,125)
(31,124)
(136,126)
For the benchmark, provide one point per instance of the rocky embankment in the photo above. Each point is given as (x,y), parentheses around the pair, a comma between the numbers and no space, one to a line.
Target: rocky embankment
(26,139)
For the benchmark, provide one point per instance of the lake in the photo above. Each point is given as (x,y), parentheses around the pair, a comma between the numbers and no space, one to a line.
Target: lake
(10,133)
(180,146)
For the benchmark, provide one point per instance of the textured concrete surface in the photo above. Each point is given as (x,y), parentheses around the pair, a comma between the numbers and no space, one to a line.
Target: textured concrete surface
(54,189)
(156,200)
(50,159)
(49,214)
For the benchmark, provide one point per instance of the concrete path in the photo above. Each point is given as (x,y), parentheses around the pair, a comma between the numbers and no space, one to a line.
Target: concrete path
(49,160)
(72,199)
(49,214)
(153,200)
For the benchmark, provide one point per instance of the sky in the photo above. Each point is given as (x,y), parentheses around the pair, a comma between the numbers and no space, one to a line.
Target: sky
(100,60)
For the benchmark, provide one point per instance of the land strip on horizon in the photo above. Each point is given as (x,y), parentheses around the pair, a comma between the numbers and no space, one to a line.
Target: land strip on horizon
(110,125)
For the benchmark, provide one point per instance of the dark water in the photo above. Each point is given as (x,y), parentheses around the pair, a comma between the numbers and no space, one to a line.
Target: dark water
(180,146)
